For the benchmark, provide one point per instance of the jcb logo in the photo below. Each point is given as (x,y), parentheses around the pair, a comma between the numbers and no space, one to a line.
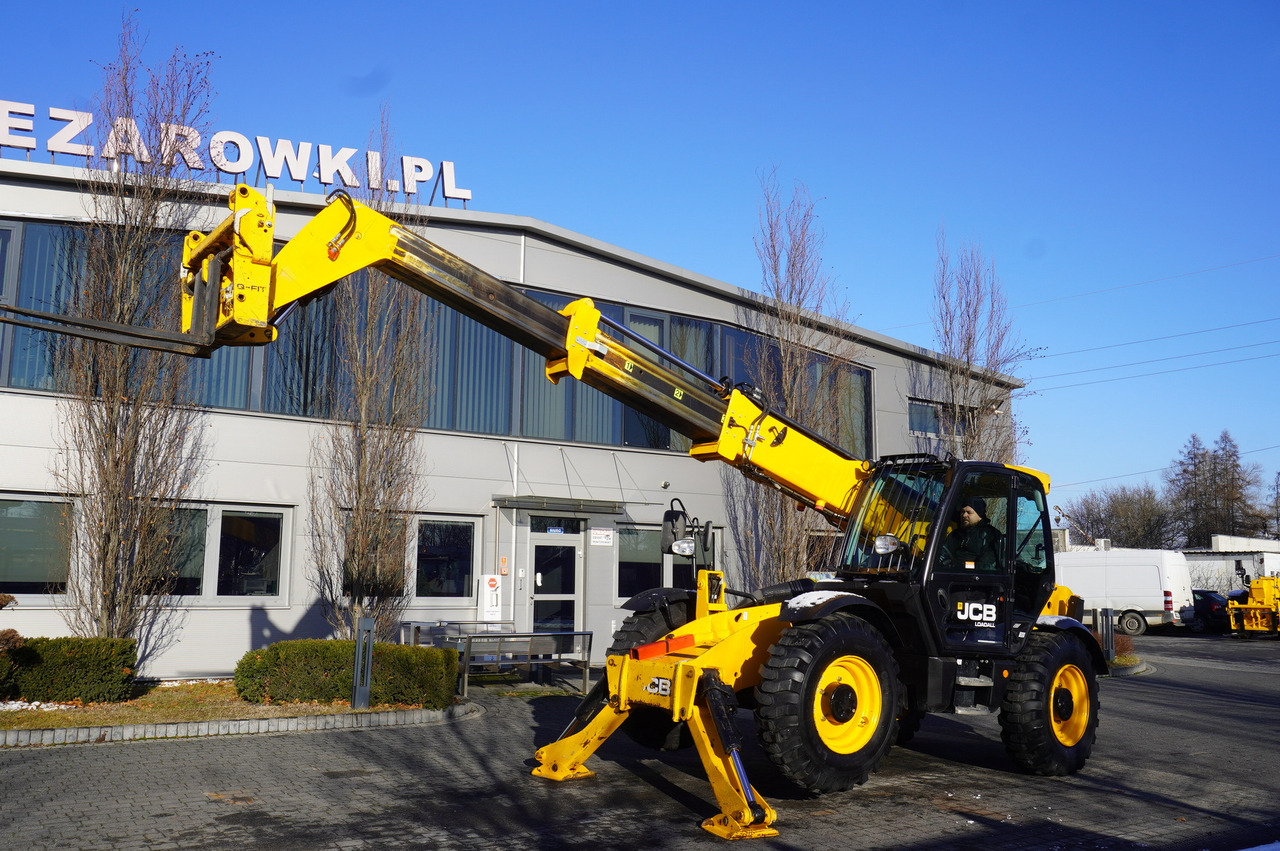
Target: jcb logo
(976,611)
(660,686)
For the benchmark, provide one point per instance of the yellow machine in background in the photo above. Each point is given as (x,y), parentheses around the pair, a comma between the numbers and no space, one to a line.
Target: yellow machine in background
(916,613)
(1255,613)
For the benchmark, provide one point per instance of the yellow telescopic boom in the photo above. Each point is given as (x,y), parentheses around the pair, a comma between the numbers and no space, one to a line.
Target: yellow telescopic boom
(234,291)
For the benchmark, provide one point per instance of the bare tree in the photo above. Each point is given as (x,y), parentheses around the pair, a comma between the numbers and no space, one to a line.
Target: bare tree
(367,470)
(980,348)
(804,368)
(1273,509)
(1137,517)
(131,441)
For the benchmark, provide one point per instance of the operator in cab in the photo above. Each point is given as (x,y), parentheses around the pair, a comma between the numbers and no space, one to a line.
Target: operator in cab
(974,544)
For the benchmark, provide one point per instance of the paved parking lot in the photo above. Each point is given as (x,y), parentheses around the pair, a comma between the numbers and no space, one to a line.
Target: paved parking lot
(466,784)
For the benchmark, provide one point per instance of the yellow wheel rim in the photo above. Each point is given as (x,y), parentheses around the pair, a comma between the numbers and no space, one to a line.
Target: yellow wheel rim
(1069,705)
(847,704)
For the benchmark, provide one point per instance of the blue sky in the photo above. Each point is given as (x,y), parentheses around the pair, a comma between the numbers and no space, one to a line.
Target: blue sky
(1116,161)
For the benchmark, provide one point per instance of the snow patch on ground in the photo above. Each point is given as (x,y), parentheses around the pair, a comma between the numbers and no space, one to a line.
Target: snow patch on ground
(18,705)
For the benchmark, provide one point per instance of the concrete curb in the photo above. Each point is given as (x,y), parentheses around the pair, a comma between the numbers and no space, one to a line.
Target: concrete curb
(1130,670)
(245,726)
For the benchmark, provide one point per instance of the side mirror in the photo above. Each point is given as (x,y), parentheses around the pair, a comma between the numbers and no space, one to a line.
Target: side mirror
(673,529)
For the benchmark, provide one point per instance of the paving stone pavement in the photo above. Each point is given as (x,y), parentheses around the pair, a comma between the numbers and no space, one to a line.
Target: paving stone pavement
(466,785)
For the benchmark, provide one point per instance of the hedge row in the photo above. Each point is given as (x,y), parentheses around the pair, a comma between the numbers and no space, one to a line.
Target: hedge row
(321,670)
(92,670)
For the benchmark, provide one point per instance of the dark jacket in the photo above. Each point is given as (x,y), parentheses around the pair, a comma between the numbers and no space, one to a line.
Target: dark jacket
(982,545)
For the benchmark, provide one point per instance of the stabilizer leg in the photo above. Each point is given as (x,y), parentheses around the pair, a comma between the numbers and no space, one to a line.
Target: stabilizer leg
(743,813)
(564,758)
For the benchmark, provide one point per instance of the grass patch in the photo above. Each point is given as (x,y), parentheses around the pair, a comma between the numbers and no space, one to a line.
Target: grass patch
(159,704)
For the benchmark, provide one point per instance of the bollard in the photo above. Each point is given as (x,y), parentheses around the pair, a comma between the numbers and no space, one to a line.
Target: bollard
(1106,628)
(363,673)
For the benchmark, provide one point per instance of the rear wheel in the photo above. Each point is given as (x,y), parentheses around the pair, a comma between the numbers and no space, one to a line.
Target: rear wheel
(1049,718)
(828,702)
(648,725)
(1132,623)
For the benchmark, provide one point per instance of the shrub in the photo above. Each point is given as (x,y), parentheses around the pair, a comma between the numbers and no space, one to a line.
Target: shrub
(321,670)
(9,640)
(91,670)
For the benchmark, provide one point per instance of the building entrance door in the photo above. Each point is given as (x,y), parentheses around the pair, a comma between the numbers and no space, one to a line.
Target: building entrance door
(556,560)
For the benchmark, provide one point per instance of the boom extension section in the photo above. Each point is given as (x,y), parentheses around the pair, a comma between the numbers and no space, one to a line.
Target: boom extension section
(234,292)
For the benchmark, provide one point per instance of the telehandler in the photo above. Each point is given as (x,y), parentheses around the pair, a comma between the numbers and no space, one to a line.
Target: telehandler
(909,618)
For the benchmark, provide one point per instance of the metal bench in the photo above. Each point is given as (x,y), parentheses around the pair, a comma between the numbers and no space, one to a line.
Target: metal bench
(495,646)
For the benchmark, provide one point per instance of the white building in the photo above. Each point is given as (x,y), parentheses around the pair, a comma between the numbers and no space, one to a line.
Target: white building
(1230,559)
(551,494)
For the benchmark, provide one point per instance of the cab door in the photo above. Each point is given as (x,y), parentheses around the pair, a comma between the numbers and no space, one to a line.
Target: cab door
(970,587)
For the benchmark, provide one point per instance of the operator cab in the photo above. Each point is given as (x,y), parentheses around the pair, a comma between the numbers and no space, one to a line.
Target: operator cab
(973,535)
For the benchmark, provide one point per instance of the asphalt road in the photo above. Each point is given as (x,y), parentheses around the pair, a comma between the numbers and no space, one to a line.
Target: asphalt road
(1186,759)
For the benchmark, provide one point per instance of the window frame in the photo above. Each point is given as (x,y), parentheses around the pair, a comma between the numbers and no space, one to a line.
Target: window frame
(44,600)
(477,523)
(935,407)
(209,596)
(664,562)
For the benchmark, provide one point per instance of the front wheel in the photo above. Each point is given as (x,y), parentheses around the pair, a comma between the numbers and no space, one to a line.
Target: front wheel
(828,702)
(1049,718)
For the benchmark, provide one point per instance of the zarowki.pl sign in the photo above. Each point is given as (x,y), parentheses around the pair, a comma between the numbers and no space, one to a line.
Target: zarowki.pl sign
(228,152)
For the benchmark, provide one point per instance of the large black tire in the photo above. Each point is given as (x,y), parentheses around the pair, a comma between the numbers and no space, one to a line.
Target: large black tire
(828,702)
(1049,718)
(647,725)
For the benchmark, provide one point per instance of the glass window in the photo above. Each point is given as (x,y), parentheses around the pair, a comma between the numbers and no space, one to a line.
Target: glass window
(1032,519)
(6,237)
(544,411)
(853,429)
(481,375)
(900,500)
(557,525)
(693,341)
(735,355)
(923,417)
(977,533)
(639,429)
(446,558)
(553,615)
(555,569)
(42,285)
(33,547)
(597,418)
(443,323)
(299,365)
(639,560)
(249,554)
(222,381)
(185,543)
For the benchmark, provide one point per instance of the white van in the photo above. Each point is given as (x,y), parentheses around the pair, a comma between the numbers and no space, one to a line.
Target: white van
(1142,587)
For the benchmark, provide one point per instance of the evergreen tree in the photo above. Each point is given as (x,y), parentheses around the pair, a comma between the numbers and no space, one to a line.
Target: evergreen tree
(1213,492)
